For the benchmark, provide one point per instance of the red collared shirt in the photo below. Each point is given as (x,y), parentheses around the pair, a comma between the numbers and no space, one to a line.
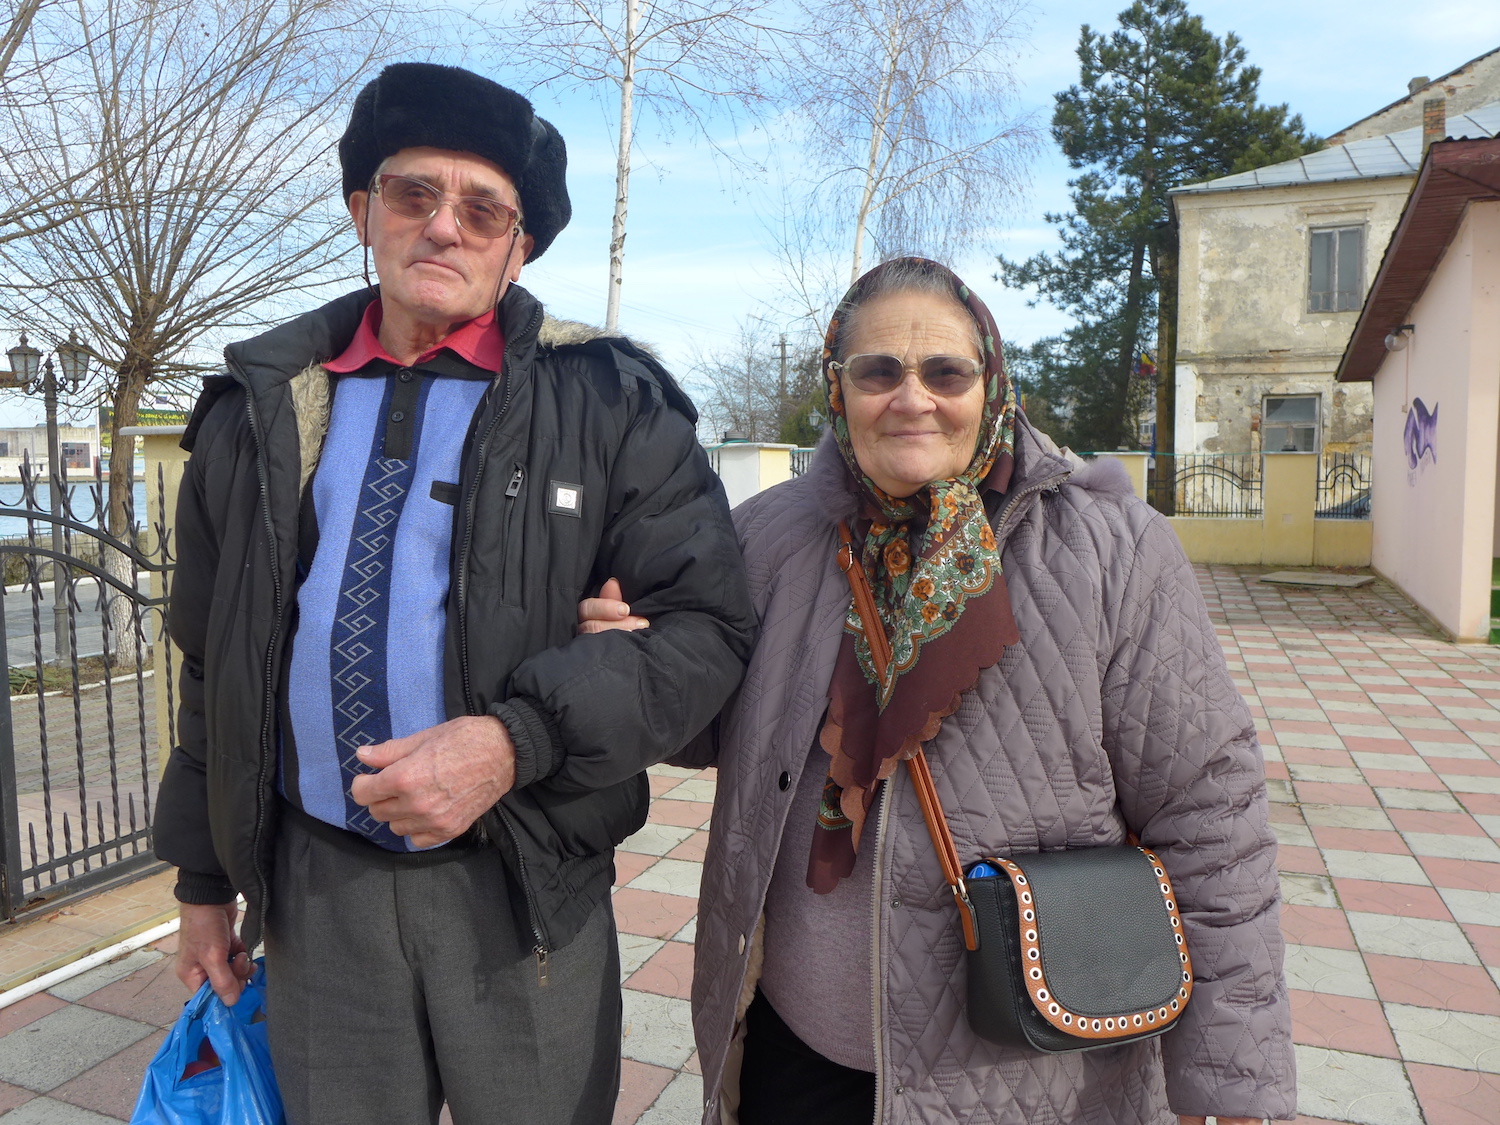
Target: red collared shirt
(479,342)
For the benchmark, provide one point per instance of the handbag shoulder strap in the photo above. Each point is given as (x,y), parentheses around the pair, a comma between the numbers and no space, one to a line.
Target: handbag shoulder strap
(916,766)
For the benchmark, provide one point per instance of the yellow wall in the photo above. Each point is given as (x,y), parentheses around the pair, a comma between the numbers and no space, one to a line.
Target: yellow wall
(1288,534)
(162,450)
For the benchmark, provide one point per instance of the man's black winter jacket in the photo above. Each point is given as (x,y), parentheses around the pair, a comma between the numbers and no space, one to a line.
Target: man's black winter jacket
(587,714)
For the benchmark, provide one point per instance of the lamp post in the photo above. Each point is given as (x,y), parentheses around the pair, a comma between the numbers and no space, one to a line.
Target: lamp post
(24,362)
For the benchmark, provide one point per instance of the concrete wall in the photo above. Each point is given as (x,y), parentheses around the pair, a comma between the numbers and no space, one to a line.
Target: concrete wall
(1475,84)
(161,449)
(1435,530)
(1244,331)
(748,467)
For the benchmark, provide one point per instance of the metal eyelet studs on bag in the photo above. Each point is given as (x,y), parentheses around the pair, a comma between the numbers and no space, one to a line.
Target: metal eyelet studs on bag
(1127,1024)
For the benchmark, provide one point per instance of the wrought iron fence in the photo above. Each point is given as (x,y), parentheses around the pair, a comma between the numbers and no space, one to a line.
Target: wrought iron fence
(1343,487)
(1206,484)
(78,732)
(801,459)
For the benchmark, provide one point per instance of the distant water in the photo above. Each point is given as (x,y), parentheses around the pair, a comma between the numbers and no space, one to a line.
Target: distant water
(80,495)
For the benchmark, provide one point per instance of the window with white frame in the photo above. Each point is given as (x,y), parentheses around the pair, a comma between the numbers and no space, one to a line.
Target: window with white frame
(1289,424)
(1335,270)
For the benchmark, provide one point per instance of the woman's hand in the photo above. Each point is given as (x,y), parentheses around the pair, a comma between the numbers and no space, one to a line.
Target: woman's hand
(1221,1120)
(608,611)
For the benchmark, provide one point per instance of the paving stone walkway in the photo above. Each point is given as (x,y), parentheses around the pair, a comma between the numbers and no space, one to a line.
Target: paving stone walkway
(1383,749)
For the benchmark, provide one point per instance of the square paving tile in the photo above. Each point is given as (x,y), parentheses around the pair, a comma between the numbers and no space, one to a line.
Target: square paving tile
(1433,984)
(635,951)
(1316,925)
(649,913)
(27,1011)
(47,1053)
(681,1103)
(152,995)
(47,1111)
(1378,866)
(1464,874)
(1341,1023)
(95,979)
(1482,908)
(1307,890)
(1362,1089)
(671,876)
(1422,938)
(657,1029)
(669,972)
(112,1087)
(1455,1097)
(1391,898)
(655,839)
(1461,1039)
(1312,968)
(640,1085)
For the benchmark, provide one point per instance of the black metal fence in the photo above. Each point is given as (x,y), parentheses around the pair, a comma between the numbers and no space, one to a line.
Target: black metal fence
(801,459)
(1206,484)
(78,738)
(1343,487)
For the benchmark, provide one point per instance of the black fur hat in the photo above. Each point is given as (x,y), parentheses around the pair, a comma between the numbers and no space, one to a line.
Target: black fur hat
(413,105)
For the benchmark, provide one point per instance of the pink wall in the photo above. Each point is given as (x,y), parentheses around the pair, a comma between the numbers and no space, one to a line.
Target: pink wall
(1434,525)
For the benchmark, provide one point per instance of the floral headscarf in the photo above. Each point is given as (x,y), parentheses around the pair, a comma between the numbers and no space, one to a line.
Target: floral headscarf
(934,568)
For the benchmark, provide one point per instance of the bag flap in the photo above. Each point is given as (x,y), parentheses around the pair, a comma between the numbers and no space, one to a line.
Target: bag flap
(1101,938)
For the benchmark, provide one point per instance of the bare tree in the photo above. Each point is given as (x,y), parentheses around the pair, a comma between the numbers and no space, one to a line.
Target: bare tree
(197,138)
(762,385)
(909,126)
(684,59)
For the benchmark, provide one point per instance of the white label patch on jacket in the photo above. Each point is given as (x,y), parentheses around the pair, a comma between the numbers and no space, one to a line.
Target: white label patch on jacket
(564,499)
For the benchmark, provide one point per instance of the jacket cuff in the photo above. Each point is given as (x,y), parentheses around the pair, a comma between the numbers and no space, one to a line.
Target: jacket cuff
(198,889)
(538,742)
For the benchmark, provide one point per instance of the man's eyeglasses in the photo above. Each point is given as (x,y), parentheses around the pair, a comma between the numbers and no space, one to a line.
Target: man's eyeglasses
(876,374)
(477,214)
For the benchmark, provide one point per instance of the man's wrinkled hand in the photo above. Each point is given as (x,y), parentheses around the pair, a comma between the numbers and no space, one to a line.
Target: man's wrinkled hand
(208,949)
(433,784)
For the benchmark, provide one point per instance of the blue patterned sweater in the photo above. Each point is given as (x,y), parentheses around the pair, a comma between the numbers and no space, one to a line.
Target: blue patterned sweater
(367,655)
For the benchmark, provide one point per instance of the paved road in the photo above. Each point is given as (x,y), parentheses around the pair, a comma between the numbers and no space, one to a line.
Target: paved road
(23,608)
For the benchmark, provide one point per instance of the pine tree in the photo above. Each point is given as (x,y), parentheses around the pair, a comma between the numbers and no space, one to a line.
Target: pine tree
(1161,101)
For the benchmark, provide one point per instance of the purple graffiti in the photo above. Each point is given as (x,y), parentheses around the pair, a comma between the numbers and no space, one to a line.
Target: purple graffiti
(1421,433)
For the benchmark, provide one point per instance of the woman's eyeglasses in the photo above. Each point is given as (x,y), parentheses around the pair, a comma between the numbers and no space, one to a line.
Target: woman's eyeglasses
(477,214)
(876,374)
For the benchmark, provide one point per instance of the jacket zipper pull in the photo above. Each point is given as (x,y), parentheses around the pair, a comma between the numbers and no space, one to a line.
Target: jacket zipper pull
(513,489)
(541,965)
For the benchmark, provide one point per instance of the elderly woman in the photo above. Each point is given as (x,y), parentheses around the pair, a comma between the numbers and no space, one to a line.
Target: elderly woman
(1052,652)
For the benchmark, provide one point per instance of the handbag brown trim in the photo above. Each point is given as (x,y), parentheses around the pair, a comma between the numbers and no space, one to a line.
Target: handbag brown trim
(1074,1023)
(1066,1028)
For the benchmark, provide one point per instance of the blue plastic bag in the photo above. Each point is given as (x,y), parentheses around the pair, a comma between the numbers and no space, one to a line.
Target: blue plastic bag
(215,1066)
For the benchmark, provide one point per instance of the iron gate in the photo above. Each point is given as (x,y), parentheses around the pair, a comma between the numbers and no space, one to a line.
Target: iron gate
(82,641)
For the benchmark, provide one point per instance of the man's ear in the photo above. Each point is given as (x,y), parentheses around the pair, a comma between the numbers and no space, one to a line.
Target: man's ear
(359,211)
(519,259)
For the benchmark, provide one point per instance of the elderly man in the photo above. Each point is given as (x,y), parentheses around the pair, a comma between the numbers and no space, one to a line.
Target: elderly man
(393,743)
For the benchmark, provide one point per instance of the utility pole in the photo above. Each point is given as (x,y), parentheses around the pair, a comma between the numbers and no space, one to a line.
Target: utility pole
(781,402)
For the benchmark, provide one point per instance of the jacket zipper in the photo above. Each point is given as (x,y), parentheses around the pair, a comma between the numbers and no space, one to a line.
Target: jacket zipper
(269,704)
(877,991)
(539,947)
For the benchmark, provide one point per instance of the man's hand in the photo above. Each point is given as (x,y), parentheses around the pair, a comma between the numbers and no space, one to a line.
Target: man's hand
(432,785)
(608,611)
(208,949)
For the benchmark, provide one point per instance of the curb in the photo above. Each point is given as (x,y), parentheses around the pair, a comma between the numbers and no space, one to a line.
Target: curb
(41,977)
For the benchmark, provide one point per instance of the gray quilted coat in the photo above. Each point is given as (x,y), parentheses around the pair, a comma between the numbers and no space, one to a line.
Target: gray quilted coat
(1116,711)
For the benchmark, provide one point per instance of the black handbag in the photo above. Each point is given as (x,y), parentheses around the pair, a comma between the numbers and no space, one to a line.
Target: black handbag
(1068,950)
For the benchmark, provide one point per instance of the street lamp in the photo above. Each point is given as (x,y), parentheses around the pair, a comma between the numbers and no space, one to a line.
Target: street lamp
(24,361)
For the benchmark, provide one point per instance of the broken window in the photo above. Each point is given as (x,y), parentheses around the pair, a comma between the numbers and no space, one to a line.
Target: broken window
(1290,424)
(1336,270)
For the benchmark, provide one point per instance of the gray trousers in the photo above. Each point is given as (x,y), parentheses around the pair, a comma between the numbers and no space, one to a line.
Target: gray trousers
(394,986)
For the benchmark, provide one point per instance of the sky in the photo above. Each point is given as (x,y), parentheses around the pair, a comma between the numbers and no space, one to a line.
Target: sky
(698,257)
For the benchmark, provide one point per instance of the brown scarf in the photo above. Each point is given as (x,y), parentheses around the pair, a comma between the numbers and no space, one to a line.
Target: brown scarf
(934,568)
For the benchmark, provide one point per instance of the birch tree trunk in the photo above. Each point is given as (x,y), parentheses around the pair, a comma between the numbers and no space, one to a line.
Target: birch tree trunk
(622,166)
